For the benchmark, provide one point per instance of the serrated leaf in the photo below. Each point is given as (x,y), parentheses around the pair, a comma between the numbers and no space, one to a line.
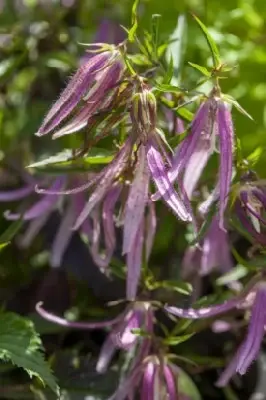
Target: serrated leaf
(134,19)
(20,344)
(10,232)
(201,69)
(212,45)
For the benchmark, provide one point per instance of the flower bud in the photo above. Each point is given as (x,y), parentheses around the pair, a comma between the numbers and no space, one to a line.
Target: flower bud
(143,113)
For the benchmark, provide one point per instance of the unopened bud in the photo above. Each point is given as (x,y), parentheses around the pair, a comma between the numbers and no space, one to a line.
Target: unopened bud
(143,113)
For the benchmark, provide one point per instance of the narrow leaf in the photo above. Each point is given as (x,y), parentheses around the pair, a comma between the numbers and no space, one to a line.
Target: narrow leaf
(134,17)
(212,45)
(201,69)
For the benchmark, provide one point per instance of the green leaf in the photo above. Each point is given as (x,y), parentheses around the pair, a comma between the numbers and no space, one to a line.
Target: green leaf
(11,231)
(65,159)
(187,386)
(212,45)
(175,340)
(167,88)
(177,286)
(201,69)
(169,73)
(134,19)
(254,157)
(184,114)
(237,273)
(235,103)
(20,344)
(155,20)
(205,226)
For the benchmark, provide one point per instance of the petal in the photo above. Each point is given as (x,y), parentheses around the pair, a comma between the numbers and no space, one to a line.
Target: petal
(16,194)
(71,324)
(226,135)
(151,223)
(163,183)
(249,349)
(134,262)
(147,390)
(32,230)
(204,312)
(39,208)
(196,164)
(114,169)
(63,236)
(136,201)
(107,352)
(187,146)
(170,383)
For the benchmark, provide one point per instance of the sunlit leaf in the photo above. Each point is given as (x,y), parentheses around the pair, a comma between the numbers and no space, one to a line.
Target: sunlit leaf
(212,45)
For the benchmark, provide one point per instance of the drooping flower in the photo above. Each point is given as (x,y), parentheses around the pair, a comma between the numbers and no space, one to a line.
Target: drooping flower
(212,124)
(38,214)
(250,208)
(91,89)
(138,315)
(143,117)
(249,349)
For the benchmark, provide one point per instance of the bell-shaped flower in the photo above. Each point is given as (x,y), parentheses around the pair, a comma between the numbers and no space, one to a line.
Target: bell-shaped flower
(144,119)
(250,347)
(41,210)
(212,125)
(91,89)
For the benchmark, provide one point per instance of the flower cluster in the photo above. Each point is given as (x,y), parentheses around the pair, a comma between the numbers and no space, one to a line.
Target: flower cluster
(114,206)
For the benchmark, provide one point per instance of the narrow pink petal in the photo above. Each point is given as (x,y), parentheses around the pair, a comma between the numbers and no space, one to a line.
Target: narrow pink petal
(163,183)
(136,201)
(187,146)
(226,135)
(114,169)
(196,165)
(16,194)
(39,208)
(148,389)
(204,312)
(32,230)
(63,236)
(170,380)
(107,352)
(134,262)
(151,223)
(70,324)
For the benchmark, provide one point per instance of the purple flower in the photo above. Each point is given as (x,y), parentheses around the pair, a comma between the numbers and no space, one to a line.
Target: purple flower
(90,90)
(138,315)
(212,253)
(250,208)
(38,214)
(212,123)
(143,117)
(249,349)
